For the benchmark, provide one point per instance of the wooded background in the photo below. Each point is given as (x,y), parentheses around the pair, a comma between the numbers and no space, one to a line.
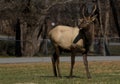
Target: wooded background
(24,19)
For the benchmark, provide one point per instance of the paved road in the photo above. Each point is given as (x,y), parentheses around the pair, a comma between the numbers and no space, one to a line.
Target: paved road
(63,59)
(8,38)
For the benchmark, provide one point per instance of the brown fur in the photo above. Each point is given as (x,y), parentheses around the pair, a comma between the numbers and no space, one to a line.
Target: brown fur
(63,37)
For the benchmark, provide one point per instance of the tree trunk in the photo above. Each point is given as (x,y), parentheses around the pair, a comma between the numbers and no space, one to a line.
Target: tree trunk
(18,51)
(115,15)
(93,33)
(30,42)
(29,31)
(107,18)
(101,25)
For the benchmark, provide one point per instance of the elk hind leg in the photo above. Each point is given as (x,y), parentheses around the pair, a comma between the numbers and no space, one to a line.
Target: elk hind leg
(58,68)
(54,64)
(58,61)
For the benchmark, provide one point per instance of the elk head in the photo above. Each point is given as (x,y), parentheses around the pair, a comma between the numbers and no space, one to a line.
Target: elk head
(87,20)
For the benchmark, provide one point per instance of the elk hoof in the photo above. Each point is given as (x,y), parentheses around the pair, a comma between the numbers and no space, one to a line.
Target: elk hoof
(60,76)
(55,75)
(70,77)
(89,77)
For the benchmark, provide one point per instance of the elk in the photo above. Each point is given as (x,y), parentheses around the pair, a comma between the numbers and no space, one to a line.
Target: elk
(63,38)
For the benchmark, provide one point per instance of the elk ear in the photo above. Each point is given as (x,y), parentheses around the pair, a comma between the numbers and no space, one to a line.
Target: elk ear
(93,17)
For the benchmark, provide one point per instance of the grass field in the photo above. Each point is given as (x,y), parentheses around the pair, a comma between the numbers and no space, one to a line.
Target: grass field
(41,73)
(115,50)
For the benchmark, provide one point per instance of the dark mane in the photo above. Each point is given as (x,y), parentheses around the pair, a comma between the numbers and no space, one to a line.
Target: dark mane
(88,38)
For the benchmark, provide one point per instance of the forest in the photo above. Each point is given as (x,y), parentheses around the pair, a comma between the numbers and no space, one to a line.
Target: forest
(29,21)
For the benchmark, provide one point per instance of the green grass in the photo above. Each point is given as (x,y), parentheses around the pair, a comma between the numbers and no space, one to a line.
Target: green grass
(41,73)
(115,50)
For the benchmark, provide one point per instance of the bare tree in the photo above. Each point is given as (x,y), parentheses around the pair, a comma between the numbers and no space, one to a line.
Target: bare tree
(107,26)
(27,17)
(36,17)
(115,14)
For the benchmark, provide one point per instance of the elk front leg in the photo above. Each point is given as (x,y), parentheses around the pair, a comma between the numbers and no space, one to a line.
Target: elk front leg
(72,63)
(86,66)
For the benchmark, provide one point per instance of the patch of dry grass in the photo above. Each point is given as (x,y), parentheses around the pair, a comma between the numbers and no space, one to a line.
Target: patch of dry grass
(26,83)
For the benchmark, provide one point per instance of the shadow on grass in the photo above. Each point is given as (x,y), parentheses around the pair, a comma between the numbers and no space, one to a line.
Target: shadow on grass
(62,77)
